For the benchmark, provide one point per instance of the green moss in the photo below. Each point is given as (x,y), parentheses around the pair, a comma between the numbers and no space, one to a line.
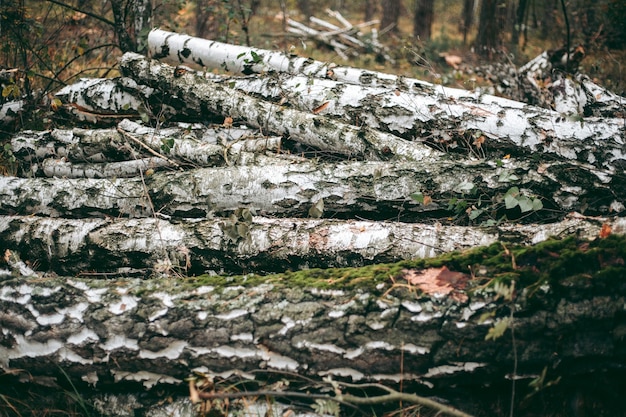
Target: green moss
(561,263)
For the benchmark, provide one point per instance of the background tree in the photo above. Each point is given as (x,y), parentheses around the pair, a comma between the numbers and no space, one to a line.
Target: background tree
(488,37)
(518,26)
(423,19)
(305,8)
(467,18)
(371,7)
(132,21)
(391,14)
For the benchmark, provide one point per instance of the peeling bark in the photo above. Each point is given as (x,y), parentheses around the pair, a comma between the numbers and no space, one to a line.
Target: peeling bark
(428,118)
(110,247)
(186,145)
(590,141)
(373,190)
(156,332)
(193,95)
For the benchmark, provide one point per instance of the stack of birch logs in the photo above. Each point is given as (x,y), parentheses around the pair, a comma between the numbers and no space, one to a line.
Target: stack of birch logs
(286,163)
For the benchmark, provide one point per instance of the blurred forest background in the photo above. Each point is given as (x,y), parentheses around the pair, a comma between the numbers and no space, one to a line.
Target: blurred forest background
(46,44)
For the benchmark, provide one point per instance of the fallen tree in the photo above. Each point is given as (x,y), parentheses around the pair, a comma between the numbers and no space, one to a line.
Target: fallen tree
(360,168)
(412,323)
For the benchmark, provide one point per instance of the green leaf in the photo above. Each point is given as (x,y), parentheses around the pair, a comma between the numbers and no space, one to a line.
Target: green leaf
(537,204)
(326,407)
(167,145)
(11,90)
(475,213)
(418,196)
(507,177)
(498,329)
(317,210)
(246,215)
(256,58)
(513,191)
(525,204)
(242,229)
(510,201)
(240,55)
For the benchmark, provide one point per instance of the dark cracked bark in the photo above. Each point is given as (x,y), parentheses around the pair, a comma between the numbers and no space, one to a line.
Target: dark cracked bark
(567,314)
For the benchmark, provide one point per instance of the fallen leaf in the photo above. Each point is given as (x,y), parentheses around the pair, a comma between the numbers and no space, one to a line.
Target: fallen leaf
(320,108)
(438,281)
(605,231)
(478,142)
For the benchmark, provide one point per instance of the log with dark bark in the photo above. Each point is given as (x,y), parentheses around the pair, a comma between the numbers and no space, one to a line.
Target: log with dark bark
(427,326)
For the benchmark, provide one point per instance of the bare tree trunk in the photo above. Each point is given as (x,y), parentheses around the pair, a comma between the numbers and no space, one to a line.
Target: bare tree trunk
(305,8)
(423,19)
(391,15)
(488,37)
(519,22)
(132,18)
(370,10)
(467,18)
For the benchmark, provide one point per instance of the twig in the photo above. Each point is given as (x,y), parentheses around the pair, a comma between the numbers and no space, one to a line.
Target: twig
(76,9)
(343,399)
(147,148)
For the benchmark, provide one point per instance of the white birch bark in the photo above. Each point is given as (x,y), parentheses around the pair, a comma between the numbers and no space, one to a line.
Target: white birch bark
(62,168)
(599,142)
(10,110)
(371,189)
(245,60)
(156,332)
(93,99)
(185,145)
(192,94)
(106,247)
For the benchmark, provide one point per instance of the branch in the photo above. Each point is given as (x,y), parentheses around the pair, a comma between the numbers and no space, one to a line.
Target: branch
(343,399)
(395,396)
(76,9)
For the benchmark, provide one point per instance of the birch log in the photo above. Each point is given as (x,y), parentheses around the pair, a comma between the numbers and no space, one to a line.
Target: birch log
(372,190)
(432,119)
(186,145)
(179,48)
(112,247)
(598,142)
(195,96)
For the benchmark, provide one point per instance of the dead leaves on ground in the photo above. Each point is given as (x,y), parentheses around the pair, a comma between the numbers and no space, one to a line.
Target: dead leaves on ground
(438,282)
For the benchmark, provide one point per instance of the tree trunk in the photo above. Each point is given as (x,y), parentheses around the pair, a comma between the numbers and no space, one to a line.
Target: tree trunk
(131,17)
(391,15)
(370,10)
(467,18)
(488,37)
(423,19)
(519,22)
